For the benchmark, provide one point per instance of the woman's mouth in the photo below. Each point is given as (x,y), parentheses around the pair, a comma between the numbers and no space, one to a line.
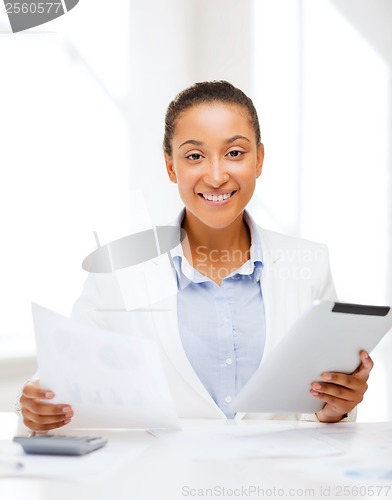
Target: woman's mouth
(216,199)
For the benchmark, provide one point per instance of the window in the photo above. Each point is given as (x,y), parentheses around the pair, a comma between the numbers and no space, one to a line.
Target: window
(323,94)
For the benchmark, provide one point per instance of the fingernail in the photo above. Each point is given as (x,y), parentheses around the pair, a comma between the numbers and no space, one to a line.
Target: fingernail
(327,376)
(67,421)
(316,387)
(49,394)
(67,409)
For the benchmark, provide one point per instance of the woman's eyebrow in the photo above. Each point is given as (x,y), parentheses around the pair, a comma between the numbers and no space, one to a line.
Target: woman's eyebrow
(191,141)
(227,141)
(235,138)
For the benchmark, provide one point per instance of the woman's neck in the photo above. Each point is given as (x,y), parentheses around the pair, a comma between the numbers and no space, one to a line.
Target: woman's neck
(233,237)
(216,252)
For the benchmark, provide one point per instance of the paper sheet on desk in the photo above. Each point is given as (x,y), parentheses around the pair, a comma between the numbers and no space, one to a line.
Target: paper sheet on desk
(228,442)
(110,379)
(366,456)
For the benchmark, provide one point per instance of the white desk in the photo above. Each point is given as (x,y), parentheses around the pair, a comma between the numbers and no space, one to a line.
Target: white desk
(212,459)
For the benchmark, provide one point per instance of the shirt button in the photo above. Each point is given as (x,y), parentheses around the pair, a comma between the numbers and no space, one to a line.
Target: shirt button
(228,399)
(229,361)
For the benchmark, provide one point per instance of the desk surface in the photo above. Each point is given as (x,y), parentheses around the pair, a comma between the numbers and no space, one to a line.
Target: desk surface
(209,459)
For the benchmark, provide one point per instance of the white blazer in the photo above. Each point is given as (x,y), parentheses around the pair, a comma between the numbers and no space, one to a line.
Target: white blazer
(295,273)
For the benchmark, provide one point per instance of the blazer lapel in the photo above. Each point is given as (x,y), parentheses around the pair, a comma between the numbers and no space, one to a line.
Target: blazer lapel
(273,292)
(166,327)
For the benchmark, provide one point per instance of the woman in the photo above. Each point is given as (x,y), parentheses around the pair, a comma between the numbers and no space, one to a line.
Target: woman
(239,287)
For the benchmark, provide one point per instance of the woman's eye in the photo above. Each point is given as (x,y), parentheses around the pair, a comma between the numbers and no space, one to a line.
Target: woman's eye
(235,153)
(194,156)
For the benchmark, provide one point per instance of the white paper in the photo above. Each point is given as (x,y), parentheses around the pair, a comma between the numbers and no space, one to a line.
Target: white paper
(366,457)
(242,442)
(111,380)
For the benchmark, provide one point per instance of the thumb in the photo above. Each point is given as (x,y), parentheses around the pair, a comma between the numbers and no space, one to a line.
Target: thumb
(365,367)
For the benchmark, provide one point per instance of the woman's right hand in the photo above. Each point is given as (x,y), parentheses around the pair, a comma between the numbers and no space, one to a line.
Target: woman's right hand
(39,415)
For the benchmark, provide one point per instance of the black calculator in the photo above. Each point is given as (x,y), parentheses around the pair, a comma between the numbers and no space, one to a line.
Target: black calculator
(51,444)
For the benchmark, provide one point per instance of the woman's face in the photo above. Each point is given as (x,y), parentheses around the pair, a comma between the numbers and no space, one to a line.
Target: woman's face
(215,161)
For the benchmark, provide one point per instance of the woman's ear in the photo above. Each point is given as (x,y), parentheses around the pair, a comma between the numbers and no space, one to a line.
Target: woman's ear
(170,168)
(260,159)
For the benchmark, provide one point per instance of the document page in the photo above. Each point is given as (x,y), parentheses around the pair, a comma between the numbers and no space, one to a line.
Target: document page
(111,380)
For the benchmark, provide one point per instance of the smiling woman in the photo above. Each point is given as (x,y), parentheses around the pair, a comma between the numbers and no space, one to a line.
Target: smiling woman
(227,313)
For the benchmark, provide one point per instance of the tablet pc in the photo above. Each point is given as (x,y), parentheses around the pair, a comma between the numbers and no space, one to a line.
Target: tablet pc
(328,337)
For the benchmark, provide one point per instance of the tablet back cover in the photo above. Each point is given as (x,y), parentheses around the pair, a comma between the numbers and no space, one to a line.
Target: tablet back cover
(328,337)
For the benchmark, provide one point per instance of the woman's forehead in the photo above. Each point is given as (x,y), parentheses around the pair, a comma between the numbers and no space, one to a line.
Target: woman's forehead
(213,116)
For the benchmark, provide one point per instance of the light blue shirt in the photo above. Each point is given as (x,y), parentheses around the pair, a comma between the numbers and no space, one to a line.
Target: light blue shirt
(222,328)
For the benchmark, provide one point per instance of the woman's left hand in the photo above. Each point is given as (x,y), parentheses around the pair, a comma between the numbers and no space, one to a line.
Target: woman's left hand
(342,392)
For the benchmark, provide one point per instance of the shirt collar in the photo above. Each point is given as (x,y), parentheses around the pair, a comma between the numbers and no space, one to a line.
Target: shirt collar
(187,274)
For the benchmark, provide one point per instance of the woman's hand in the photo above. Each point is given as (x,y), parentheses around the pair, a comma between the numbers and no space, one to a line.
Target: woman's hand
(341,392)
(39,415)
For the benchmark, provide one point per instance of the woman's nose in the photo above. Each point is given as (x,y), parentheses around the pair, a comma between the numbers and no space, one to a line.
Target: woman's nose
(216,174)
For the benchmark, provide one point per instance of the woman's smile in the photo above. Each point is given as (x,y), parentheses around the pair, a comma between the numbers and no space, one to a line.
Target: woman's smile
(217,198)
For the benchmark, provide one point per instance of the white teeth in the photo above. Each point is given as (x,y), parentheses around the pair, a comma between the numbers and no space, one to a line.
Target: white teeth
(214,197)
